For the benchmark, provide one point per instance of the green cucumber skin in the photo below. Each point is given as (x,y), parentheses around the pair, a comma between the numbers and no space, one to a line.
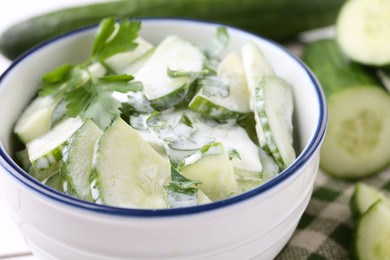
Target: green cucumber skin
(208,109)
(324,58)
(355,249)
(258,16)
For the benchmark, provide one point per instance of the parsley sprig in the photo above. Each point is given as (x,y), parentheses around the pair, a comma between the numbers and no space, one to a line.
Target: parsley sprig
(90,96)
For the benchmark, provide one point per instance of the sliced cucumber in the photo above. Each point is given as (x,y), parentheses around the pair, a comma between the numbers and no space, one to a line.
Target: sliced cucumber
(358,135)
(77,161)
(202,198)
(364,196)
(248,180)
(42,175)
(36,119)
(55,182)
(123,62)
(362,31)
(274,107)
(230,73)
(47,149)
(372,234)
(127,171)
(172,53)
(211,166)
(256,68)
(23,159)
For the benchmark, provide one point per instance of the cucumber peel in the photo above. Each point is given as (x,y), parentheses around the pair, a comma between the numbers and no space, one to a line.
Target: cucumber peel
(364,196)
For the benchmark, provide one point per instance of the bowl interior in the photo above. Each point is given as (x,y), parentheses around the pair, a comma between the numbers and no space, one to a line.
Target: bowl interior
(19,84)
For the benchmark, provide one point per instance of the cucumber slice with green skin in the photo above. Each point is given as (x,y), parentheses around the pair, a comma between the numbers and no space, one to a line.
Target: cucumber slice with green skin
(77,161)
(23,159)
(248,180)
(231,73)
(55,182)
(120,63)
(362,31)
(36,119)
(47,149)
(203,199)
(274,107)
(172,53)
(127,171)
(211,166)
(372,234)
(364,196)
(45,174)
(357,141)
(256,68)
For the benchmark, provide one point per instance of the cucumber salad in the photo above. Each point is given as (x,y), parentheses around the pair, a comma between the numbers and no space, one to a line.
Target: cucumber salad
(158,125)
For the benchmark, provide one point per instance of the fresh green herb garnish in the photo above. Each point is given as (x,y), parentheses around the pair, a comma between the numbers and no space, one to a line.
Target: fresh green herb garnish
(181,192)
(87,95)
(113,38)
(218,44)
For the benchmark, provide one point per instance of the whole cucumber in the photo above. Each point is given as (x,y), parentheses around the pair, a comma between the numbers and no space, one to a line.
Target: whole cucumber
(276,19)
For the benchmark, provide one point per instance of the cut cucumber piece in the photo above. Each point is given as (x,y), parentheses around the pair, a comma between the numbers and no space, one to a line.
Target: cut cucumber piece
(274,107)
(42,175)
(55,182)
(36,119)
(256,68)
(364,196)
(372,234)
(47,149)
(362,31)
(122,62)
(248,180)
(77,161)
(203,199)
(127,171)
(357,140)
(175,54)
(211,166)
(235,102)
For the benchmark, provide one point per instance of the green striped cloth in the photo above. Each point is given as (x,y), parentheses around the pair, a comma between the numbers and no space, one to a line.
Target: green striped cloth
(325,229)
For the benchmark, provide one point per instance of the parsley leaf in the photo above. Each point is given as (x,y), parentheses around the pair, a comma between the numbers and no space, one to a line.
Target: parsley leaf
(54,81)
(86,95)
(181,192)
(93,99)
(115,37)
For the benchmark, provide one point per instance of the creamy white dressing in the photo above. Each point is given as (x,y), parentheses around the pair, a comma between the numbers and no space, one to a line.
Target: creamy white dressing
(183,140)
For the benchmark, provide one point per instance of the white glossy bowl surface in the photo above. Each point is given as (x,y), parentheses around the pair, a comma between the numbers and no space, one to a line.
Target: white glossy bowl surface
(256,224)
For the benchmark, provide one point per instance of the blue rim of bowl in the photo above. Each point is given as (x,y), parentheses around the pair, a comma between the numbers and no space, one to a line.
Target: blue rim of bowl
(57,196)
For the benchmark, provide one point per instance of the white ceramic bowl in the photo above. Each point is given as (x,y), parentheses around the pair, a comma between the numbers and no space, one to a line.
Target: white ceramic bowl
(256,224)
